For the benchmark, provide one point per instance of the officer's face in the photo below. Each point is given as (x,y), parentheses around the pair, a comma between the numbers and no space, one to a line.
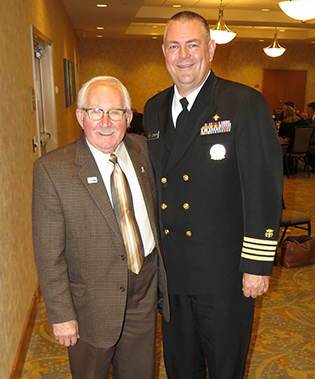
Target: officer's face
(105,134)
(187,54)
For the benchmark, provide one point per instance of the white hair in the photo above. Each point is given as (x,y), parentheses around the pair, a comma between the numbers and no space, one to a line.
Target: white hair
(107,79)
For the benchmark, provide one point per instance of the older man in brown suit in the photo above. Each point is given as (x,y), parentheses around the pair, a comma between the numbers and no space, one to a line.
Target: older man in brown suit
(102,308)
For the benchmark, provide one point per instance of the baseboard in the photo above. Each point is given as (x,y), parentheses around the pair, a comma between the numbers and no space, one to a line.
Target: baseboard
(18,364)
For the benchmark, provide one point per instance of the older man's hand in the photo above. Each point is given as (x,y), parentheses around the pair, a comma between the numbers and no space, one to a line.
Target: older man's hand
(67,333)
(255,285)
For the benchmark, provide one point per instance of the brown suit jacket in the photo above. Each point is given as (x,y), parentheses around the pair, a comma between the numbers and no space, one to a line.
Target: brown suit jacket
(77,242)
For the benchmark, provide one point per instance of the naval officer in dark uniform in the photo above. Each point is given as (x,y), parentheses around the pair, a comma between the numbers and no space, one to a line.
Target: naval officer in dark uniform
(218,167)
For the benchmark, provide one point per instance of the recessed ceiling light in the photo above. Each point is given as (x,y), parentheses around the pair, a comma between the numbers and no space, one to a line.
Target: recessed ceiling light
(154,26)
(177,6)
(154,37)
(99,27)
(99,36)
(265,9)
(281,30)
(312,41)
(101,5)
(261,40)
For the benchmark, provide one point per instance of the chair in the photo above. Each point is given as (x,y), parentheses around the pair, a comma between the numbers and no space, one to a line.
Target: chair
(299,151)
(294,219)
(284,148)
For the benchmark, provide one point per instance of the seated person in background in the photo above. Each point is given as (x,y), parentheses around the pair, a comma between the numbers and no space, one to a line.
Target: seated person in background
(290,121)
(284,107)
(310,111)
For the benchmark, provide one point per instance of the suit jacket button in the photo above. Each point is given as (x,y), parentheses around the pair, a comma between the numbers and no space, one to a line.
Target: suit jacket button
(122,289)
(166,232)
(188,233)
(163,180)
(186,206)
(163,206)
(122,257)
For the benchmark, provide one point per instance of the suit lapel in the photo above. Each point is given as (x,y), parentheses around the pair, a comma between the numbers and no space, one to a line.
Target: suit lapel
(87,171)
(202,111)
(165,119)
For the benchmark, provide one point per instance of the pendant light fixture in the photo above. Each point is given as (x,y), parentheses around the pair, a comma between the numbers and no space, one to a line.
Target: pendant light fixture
(221,33)
(303,10)
(274,50)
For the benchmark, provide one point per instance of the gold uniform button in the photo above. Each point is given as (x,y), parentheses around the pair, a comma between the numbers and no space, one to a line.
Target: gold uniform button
(186,206)
(163,206)
(163,180)
(186,177)
(188,233)
(166,232)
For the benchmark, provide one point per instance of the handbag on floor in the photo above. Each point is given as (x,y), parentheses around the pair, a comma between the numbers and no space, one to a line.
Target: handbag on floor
(297,251)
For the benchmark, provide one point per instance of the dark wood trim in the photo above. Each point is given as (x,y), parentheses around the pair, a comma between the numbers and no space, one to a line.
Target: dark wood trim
(18,364)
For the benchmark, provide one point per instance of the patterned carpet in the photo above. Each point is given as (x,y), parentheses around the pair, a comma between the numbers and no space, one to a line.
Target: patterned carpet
(283,341)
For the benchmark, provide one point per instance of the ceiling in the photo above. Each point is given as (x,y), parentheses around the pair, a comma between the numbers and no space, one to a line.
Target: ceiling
(146,19)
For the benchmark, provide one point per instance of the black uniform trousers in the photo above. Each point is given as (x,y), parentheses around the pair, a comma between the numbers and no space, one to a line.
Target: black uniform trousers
(208,331)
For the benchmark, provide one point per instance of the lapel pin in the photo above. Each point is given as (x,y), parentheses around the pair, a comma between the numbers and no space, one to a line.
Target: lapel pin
(142,169)
(92,179)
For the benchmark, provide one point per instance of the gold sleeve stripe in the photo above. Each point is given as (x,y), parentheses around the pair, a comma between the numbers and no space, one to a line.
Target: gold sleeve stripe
(256,258)
(271,248)
(259,241)
(257,252)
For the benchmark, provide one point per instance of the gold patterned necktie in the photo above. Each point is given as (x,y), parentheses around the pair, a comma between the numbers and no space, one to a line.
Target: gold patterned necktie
(127,222)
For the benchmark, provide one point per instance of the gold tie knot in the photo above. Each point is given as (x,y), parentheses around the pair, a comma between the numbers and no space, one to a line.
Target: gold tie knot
(113,158)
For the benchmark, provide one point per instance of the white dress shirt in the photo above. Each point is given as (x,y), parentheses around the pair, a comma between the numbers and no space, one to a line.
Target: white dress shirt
(176,105)
(141,214)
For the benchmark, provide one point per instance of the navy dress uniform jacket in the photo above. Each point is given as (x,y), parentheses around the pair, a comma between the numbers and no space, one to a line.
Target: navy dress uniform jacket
(219,186)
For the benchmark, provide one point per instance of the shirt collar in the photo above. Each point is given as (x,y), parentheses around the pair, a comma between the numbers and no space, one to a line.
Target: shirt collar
(120,152)
(190,98)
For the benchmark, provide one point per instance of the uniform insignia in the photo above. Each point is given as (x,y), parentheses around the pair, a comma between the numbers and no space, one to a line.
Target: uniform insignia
(217,152)
(154,135)
(269,233)
(216,117)
(216,127)
(256,249)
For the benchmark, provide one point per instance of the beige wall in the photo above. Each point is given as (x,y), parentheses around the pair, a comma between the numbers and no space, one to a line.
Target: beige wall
(18,276)
(139,64)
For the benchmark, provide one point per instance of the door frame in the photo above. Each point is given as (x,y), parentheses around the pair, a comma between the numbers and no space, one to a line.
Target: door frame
(47,95)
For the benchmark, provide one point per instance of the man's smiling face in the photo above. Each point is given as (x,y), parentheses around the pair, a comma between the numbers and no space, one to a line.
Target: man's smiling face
(105,134)
(188,53)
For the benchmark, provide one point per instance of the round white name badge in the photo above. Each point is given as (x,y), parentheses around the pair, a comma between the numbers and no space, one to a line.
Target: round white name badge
(217,152)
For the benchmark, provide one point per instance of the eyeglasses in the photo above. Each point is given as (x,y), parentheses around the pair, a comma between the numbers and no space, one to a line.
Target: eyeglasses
(96,114)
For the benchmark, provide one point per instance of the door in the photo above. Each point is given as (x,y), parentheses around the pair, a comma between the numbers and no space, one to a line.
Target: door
(44,93)
(284,85)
